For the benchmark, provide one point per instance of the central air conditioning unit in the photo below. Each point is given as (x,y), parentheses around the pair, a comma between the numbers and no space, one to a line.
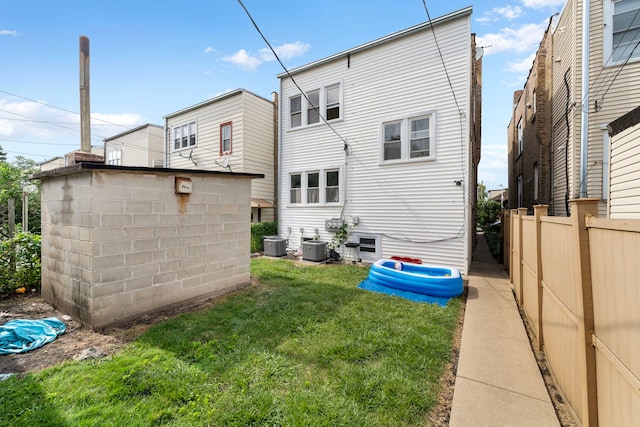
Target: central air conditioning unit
(275,246)
(314,250)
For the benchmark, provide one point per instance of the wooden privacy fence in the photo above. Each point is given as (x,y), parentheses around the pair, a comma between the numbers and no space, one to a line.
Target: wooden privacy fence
(578,281)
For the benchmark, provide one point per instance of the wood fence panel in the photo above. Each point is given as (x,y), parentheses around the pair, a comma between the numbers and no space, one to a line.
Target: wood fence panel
(615,274)
(561,311)
(516,262)
(530,271)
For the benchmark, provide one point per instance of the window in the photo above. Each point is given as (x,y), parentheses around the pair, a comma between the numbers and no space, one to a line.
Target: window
(114,158)
(313,107)
(622,31)
(408,139)
(317,187)
(225,138)
(332,187)
(333,102)
(534,102)
(520,141)
(313,187)
(419,137)
(295,191)
(184,136)
(307,110)
(519,191)
(295,107)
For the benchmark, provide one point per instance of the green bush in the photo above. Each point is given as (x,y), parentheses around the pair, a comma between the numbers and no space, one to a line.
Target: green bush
(258,231)
(20,262)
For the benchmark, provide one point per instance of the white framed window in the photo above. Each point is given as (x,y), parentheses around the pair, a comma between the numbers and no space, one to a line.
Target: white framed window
(520,137)
(295,188)
(315,187)
(408,139)
(295,111)
(225,139)
(114,158)
(622,31)
(519,191)
(332,186)
(184,136)
(306,110)
(313,107)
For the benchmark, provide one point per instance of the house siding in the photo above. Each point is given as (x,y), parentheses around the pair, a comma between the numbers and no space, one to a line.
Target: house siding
(624,196)
(252,140)
(140,147)
(415,209)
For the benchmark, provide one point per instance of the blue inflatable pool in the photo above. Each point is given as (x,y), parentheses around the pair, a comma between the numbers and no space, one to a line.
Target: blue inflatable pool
(419,278)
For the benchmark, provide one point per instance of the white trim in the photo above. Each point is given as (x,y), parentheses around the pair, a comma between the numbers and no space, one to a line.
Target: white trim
(322,187)
(322,107)
(173,136)
(405,138)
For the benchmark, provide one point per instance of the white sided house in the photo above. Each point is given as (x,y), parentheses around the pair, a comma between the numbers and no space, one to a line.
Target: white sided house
(140,146)
(235,132)
(385,139)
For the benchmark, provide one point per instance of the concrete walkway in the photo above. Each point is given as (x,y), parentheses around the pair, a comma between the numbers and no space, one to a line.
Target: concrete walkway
(498,382)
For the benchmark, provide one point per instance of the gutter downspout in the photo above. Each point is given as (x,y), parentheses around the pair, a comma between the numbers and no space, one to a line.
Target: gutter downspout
(584,117)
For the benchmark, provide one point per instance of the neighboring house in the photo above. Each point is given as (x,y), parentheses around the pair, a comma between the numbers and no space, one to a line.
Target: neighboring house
(235,132)
(396,159)
(95,156)
(500,196)
(613,89)
(529,134)
(52,163)
(141,146)
(624,181)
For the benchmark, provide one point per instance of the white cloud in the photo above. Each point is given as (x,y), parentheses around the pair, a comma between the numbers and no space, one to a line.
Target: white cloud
(507,12)
(523,39)
(242,59)
(285,51)
(247,61)
(493,166)
(542,4)
(208,50)
(8,33)
(521,66)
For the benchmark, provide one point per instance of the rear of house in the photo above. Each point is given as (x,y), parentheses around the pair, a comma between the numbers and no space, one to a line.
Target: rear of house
(141,146)
(381,142)
(234,131)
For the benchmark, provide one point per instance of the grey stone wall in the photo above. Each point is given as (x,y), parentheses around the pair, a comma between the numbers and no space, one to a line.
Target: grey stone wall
(118,242)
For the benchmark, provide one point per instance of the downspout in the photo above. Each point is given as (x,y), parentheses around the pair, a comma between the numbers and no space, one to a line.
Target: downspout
(566,144)
(279,162)
(584,117)
(276,170)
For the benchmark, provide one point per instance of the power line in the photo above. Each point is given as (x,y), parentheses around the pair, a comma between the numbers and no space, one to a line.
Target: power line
(39,143)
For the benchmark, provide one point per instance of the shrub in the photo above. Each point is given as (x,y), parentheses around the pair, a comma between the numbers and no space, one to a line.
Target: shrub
(20,262)
(258,231)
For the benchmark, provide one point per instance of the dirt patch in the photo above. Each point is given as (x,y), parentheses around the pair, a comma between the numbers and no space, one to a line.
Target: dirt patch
(77,338)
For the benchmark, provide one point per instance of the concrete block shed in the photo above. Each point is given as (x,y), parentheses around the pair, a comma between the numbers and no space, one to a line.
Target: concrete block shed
(118,242)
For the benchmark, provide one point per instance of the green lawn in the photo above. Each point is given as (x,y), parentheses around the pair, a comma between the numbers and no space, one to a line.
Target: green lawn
(305,347)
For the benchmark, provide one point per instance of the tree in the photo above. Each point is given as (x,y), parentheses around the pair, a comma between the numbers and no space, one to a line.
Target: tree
(482,192)
(488,214)
(13,177)
(3,155)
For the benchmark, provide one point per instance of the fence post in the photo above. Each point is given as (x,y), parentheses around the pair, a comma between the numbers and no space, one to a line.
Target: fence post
(506,239)
(580,210)
(522,212)
(538,212)
(12,218)
(512,231)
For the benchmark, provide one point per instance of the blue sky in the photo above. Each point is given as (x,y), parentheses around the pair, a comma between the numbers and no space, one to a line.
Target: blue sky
(149,59)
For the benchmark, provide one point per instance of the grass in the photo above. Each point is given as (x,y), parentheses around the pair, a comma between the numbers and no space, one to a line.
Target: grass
(305,347)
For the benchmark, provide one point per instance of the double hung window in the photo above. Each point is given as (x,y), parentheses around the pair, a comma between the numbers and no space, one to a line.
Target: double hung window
(622,31)
(225,138)
(184,136)
(317,187)
(408,139)
(307,110)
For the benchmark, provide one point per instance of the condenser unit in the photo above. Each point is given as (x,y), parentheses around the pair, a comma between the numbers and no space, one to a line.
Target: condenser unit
(275,246)
(314,250)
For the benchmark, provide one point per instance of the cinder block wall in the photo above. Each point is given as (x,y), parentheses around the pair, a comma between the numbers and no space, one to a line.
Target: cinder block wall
(118,242)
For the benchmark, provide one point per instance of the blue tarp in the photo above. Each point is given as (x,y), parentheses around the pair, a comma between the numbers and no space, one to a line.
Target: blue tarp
(19,336)
(412,296)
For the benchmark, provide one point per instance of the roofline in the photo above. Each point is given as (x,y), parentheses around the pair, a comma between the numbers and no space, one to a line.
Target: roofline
(213,100)
(131,131)
(399,34)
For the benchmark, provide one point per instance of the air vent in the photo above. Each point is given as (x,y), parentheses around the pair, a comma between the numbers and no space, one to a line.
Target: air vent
(275,246)
(314,250)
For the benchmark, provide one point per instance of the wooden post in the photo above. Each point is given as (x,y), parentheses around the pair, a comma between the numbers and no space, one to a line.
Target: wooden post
(25,211)
(581,209)
(538,212)
(12,218)
(506,240)
(522,212)
(512,231)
